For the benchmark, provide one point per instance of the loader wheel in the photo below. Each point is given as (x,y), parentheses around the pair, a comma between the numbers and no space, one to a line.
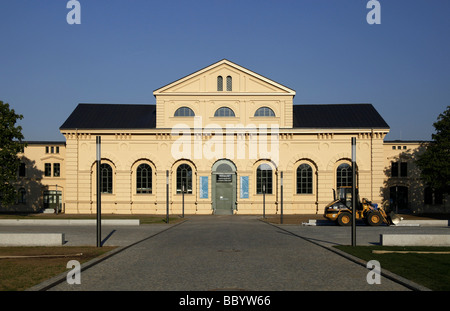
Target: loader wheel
(344,219)
(374,219)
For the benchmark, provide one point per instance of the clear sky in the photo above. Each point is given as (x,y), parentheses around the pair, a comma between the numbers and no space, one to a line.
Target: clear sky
(123,50)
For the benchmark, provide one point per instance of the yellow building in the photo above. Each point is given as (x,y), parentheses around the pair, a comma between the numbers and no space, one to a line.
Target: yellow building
(221,138)
(41,177)
(403,188)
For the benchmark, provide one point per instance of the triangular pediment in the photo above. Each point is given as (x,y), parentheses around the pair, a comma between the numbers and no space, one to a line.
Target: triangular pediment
(244,81)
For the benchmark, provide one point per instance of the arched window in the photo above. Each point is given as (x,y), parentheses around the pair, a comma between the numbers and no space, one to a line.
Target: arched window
(184,112)
(304,179)
(219,83)
(229,84)
(144,179)
(344,175)
(106,178)
(264,179)
(224,112)
(184,178)
(264,112)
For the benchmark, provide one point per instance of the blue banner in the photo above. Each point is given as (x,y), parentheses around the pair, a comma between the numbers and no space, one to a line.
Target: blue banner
(203,187)
(244,187)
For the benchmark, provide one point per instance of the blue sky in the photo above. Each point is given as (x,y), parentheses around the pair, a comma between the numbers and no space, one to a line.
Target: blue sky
(325,50)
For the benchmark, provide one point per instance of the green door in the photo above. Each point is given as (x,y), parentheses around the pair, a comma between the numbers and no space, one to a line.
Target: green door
(224,194)
(224,188)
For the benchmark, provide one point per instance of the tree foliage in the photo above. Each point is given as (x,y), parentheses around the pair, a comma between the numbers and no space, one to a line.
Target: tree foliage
(435,161)
(10,145)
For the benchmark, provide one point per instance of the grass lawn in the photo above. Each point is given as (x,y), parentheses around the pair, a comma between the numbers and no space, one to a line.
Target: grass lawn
(429,270)
(17,274)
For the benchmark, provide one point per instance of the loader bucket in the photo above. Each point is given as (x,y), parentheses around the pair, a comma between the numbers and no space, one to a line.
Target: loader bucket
(394,218)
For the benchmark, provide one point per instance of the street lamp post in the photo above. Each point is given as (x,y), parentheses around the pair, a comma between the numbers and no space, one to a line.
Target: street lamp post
(264,201)
(182,191)
(281,217)
(353,191)
(167,196)
(57,201)
(99,200)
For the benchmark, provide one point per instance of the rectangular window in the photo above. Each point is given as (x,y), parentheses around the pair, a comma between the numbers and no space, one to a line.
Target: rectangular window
(428,195)
(438,197)
(394,169)
(403,169)
(48,170)
(46,149)
(22,170)
(56,170)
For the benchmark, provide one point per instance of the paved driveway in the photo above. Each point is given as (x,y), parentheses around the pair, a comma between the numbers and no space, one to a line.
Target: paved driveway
(227,253)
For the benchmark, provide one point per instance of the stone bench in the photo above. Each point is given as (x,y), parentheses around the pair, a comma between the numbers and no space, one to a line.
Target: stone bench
(415,239)
(68,222)
(31,239)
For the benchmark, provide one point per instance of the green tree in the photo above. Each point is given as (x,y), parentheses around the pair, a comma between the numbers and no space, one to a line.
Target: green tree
(434,163)
(10,145)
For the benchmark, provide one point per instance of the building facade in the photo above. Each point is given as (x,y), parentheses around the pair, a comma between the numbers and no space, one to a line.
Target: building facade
(41,177)
(223,140)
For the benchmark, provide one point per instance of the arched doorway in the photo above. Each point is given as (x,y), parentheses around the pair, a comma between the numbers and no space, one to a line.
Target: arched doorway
(223,187)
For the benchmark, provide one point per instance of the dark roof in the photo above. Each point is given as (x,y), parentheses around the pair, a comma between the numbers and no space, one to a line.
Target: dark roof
(44,142)
(337,116)
(401,141)
(119,116)
(111,116)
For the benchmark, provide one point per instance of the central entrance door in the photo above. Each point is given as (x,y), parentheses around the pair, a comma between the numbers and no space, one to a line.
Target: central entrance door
(223,187)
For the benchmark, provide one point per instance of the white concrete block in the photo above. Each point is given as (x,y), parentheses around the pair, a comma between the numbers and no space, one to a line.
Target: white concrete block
(31,239)
(68,222)
(424,222)
(415,239)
